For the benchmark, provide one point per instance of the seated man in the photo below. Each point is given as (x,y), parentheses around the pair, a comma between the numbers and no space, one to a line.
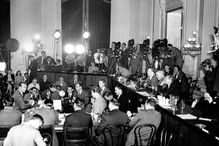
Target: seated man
(151,81)
(62,83)
(30,135)
(149,116)
(9,116)
(19,103)
(79,118)
(49,115)
(67,103)
(83,95)
(114,118)
(33,84)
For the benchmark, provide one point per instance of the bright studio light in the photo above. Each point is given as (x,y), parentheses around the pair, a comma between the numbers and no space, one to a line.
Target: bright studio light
(80,49)
(36,37)
(28,47)
(69,48)
(57,34)
(2,66)
(86,34)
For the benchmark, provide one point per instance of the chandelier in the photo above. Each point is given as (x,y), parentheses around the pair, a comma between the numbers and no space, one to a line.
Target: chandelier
(192,47)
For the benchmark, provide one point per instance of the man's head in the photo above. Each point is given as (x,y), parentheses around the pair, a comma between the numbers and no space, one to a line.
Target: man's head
(61,78)
(150,72)
(160,74)
(70,89)
(78,86)
(79,104)
(150,103)
(45,77)
(8,102)
(113,104)
(43,53)
(176,69)
(36,121)
(118,90)
(34,90)
(34,81)
(102,83)
(108,95)
(22,87)
(48,103)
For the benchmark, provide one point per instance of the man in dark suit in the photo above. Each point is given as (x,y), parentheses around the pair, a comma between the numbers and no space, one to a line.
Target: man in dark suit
(42,59)
(9,116)
(103,89)
(68,100)
(123,100)
(111,119)
(19,103)
(114,118)
(149,116)
(81,94)
(79,118)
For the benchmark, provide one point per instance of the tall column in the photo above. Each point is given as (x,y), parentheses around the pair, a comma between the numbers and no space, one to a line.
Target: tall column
(192,22)
(29,17)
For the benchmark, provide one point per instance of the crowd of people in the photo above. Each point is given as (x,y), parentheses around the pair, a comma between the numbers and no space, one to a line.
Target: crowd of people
(156,70)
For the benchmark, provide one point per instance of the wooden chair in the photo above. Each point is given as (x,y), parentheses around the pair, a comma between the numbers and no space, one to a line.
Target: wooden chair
(115,135)
(144,134)
(76,136)
(192,87)
(165,137)
(3,132)
(47,133)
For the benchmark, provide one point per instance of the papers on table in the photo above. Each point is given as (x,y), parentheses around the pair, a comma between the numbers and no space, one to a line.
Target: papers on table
(57,104)
(143,93)
(187,116)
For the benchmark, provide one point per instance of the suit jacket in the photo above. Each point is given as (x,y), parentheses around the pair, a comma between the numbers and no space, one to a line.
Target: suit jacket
(50,116)
(150,116)
(78,119)
(124,103)
(19,103)
(113,118)
(10,116)
(84,96)
(63,85)
(102,92)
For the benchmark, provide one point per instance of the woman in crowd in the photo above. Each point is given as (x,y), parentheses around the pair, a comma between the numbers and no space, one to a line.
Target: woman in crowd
(9,80)
(18,78)
(180,77)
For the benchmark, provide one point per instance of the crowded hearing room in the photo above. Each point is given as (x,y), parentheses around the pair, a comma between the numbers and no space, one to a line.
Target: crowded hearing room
(109,72)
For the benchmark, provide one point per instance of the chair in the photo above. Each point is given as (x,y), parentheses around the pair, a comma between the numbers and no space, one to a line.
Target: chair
(165,137)
(144,134)
(4,131)
(76,136)
(192,88)
(114,135)
(47,133)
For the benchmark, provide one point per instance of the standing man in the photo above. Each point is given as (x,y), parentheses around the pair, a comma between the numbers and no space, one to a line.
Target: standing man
(43,58)
(19,103)
(98,59)
(26,134)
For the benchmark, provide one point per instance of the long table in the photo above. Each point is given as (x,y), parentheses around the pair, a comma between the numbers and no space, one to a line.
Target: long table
(184,132)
